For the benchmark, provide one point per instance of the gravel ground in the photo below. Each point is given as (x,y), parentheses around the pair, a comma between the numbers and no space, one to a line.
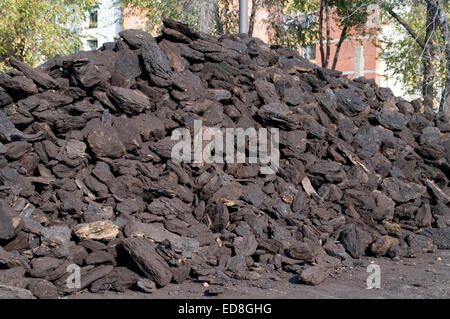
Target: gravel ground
(427,276)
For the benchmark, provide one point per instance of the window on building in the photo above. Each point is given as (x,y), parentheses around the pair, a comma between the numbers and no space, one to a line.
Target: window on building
(92,44)
(93,19)
(308,52)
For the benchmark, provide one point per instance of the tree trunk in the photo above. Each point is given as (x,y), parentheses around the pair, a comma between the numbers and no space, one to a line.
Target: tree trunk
(407,27)
(339,45)
(443,25)
(322,51)
(428,51)
(219,23)
(428,56)
(327,13)
(207,16)
(252,22)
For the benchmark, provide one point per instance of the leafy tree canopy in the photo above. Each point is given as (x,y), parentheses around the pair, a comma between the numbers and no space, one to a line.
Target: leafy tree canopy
(36,30)
(401,52)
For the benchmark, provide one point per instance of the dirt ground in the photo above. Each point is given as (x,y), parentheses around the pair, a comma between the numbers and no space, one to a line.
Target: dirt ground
(427,276)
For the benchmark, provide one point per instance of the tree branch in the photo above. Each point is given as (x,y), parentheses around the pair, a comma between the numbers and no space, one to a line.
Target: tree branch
(252,22)
(406,26)
(339,45)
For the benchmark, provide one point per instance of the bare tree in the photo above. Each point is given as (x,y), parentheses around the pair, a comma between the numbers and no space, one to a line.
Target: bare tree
(252,22)
(322,50)
(339,46)
(429,72)
(442,21)
(350,15)
(328,26)
(325,52)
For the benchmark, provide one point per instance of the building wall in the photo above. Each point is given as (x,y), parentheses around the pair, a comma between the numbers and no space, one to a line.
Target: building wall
(353,62)
(133,19)
(359,54)
(108,25)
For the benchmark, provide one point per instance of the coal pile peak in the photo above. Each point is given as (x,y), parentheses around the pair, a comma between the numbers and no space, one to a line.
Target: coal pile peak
(89,187)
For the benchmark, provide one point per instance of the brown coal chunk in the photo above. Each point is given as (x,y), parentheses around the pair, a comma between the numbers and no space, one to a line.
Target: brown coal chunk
(143,252)
(11,292)
(136,38)
(128,100)
(314,275)
(104,142)
(401,191)
(42,289)
(18,84)
(302,251)
(120,279)
(14,276)
(383,244)
(49,268)
(155,60)
(10,222)
(40,78)
(350,242)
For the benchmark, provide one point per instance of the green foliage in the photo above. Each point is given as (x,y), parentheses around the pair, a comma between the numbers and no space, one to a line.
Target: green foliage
(284,26)
(402,54)
(353,14)
(36,30)
(228,16)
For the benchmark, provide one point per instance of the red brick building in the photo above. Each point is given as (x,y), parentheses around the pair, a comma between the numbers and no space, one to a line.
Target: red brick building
(359,54)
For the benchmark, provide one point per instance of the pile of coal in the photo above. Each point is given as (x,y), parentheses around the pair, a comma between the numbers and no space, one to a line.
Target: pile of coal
(91,199)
